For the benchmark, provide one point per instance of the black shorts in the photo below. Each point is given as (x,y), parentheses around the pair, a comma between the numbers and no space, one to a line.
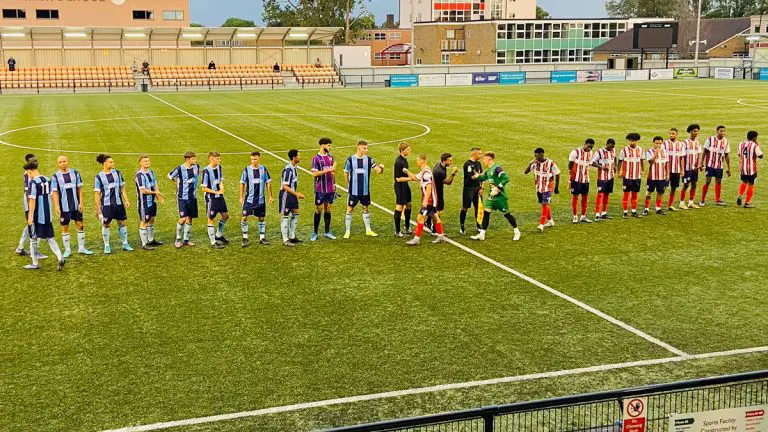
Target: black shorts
(325,198)
(146,213)
(749,179)
(674,180)
(288,203)
(715,172)
(365,200)
(470,197)
(691,176)
(258,211)
(67,217)
(632,185)
(605,186)
(41,231)
(578,188)
(215,206)
(658,186)
(402,193)
(188,208)
(544,197)
(115,212)
(440,203)
(428,211)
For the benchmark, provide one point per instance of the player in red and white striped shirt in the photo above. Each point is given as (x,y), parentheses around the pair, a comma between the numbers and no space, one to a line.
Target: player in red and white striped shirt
(605,161)
(547,180)
(693,162)
(658,175)
(428,202)
(632,168)
(749,153)
(676,151)
(716,151)
(579,162)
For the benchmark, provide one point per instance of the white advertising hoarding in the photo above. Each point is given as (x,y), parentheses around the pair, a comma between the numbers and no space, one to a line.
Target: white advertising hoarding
(662,74)
(723,73)
(431,80)
(638,75)
(459,80)
(614,75)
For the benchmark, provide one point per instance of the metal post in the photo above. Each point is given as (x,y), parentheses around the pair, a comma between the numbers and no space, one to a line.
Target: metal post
(666,59)
(413,37)
(488,423)
(698,36)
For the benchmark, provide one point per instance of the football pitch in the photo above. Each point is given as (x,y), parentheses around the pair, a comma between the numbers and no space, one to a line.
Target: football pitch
(339,332)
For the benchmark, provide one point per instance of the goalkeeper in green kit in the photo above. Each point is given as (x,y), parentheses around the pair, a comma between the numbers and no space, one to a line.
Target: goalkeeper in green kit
(497,198)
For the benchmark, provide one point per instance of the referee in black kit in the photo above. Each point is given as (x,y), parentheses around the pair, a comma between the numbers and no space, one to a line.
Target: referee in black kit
(472,187)
(402,191)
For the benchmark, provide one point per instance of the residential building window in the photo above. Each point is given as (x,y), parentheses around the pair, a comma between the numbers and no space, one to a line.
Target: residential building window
(394,56)
(47,13)
(378,57)
(445,59)
(450,34)
(380,36)
(14,13)
(173,15)
(366,36)
(395,36)
(143,15)
(757,29)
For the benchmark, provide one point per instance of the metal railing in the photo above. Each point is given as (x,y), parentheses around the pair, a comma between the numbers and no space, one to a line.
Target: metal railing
(74,84)
(594,411)
(211,83)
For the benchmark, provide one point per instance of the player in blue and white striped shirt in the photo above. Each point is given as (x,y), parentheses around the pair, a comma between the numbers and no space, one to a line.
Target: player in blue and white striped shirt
(289,199)
(147,196)
(67,194)
(111,201)
(40,216)
(357,172)
(186,178)
(213,187)
(25,232)
(254,181)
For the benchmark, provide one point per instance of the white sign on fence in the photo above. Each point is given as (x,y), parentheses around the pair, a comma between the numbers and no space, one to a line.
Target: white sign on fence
(638,75)
(614,75)
(431,80)
(749,419)
(662,74)
(459,80)
(723,73)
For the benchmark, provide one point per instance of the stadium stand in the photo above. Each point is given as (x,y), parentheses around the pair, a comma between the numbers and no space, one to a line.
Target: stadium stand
(311,74)
(223,75)
(66,77)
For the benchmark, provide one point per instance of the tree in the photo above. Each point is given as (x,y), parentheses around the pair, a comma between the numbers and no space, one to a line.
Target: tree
(238,22)
(541,13)
(650,8)
(196,25)
(352,15)
(735,8)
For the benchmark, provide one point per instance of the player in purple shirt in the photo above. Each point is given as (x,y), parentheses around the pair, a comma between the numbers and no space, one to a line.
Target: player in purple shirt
(324,172)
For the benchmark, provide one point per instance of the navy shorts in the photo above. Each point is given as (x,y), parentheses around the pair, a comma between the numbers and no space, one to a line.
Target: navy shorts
(691,176)
(656,186)
(288,203)
(324,198)
(258,211)
(578,188)
(749,179)
(544,197)
(365,200)
(41,231)
(188,208)
(428,211)
(67,217)
(632,185)
(115,212)
(715,172)
(605,186)
(146,213)
(674,180)
(215,206)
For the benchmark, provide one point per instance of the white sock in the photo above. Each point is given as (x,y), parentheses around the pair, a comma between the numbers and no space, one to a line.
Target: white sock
(66,241)
(284,227)
(34,250)
(262,229)
(105,235)
(294,222)
(151,233)
(179,231)
(143,236)
(123,231)
(187,231)
(222,224)
(348,221)
(212,234)
(367,221)
(81,240)
(244,229)
(55,248)
(24,237)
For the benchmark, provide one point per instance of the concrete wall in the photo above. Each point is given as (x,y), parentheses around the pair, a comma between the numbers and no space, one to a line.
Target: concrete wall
(104,13)
(479,40)
(352,56)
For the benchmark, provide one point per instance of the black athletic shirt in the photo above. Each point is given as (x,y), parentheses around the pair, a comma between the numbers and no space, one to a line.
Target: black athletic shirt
(471,167)
(400,163)
(439,174)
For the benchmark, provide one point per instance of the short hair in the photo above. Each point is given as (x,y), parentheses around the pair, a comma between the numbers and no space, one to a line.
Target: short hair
(324,141)
(255,153)
(214,154)
(101,158)
(189,155)
(490,154)
(610,141)
(29,157)
(658,138)
(403,146)
(589,141)
(693,127)
(31,165)
(142,157)
(445,156)
(474,149)
(633,136)
(292,154)
(720,127)
(362,143)
(673,129)
(422,156)
(752,135)
(538,150)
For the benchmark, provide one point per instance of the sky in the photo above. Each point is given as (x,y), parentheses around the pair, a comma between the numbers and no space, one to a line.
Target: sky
(214,12)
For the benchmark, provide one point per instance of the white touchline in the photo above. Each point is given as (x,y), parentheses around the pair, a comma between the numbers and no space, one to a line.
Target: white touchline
(516,273)
(433,389)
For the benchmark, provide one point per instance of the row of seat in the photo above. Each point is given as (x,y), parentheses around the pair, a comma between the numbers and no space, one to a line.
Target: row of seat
(310,74)
(61,84)
(219,81)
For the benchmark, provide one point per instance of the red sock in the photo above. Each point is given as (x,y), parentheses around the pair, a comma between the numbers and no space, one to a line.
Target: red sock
(693,192)
(439,228)
(672,196)
(598,202)
(574,203)
(606,198)
(544,214)
(584,204)
(419,229)
(625,201)
(742,188)
(718,188)
(634,201)
(549,213)
(647,201)
(750,192)
(659,201)
(704,192)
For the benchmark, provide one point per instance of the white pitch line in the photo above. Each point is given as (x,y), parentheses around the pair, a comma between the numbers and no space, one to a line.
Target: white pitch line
(514,272)
(434,389)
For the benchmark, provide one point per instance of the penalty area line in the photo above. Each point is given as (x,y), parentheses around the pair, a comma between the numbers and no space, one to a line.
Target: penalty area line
(433,389)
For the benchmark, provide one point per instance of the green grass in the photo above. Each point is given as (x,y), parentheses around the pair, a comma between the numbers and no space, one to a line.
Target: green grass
(145,337)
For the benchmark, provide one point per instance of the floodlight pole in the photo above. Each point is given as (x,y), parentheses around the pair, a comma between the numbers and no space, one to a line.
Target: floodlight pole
(413,37)
(698,36)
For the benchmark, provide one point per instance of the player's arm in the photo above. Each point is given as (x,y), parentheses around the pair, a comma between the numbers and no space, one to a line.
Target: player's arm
(205,184)
(449,181)
(242,193)
(728,163)
(557,183)
(55,196)
(126,203)
(317,172)
(503,179)
(481,177)
(269,190)
(32,203)
(97,197)
(529,168)
(427,194)
(378,169)
(411,176)
(346,178)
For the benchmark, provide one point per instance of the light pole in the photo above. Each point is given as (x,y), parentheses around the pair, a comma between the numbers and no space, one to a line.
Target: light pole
(698,35)
(413,37)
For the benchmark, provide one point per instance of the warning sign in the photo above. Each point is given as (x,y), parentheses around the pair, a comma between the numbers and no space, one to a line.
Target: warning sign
(748,419)
(634,417)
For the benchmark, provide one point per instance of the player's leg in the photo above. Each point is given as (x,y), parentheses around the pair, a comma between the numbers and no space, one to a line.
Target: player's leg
(750,192)
(65,238)
(574,201)
(143,235)
(486,222)
(742,190)
(106,230)
(598,201)
(327,211)
(348,217)
(45,231)
(366,202)
(684,190)
(180,224)
(318,215)
(659,201)
(244,228)
(692,193)
(294,222)
(512,221)
(80,228)
(625,197)
(34,251)
(285,222)
(262,229)
(122,229)
(407,216)
(438,224)
(420,219)
(22,242)
(705,189)
(466,203)
(223,219)
(584,202)
(650,188)
(188,232)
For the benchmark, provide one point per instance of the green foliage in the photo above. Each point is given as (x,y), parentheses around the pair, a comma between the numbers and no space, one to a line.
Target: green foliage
(678,8)
(320,13)
(541,13)
(238,22)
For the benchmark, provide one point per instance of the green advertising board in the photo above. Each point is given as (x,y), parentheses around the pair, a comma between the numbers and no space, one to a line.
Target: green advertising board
(686,73)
